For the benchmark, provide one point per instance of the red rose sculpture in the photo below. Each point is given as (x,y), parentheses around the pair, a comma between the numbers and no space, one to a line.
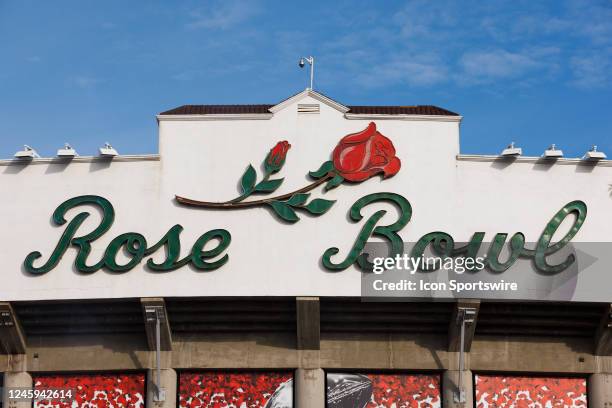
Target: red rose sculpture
(362,155)
(276,158)
(357,157)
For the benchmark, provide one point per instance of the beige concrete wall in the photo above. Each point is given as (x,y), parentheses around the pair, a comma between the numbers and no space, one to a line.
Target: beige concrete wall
(600,390)
(384,352)
(168,383)
(402,352)
(309,388)
(16,380)
(537,355)
(86,353)
(13,362)
(451,390)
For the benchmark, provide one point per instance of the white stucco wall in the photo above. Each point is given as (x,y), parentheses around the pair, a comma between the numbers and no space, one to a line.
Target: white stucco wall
(204,159)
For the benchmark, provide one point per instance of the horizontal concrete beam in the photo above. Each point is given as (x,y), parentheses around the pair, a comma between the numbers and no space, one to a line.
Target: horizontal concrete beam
(340,351)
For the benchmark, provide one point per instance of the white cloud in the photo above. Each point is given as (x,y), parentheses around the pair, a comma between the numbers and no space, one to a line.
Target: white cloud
(223,14)
(496,64)
(424,44)
(486,66)
(186,75)
(85,82)
(592,70)
(414,70)
(426,19)
(592,20)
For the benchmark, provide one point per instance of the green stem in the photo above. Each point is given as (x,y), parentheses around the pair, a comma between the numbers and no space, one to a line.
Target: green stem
(241,204)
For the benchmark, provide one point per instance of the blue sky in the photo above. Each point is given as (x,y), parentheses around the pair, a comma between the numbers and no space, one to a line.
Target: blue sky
(87,72)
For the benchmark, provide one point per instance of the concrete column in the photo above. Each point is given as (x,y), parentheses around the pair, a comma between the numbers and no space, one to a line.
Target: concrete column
(450,380)
(21,380)
(168,386)
(309,388)
(600,390)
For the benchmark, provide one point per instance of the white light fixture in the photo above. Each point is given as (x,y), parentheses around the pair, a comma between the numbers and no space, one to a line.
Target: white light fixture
(26,153)
(593,154)
(552,152)
(512,151)
(108,151)
(311,61)
(67,152)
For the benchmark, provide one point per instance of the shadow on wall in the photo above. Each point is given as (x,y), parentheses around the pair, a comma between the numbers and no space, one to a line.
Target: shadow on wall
(531,353)
(81,352)
(285,341)
(544,164)
(57,165)
(386,350)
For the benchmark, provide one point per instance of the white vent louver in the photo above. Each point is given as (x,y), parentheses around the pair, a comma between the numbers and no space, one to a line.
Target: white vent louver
(309,108)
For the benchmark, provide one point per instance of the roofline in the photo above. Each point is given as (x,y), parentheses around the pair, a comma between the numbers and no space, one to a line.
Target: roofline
(217,116)
(490,158)
(263,114)
(268,116)
(80,159)
(349,116)
(378,116)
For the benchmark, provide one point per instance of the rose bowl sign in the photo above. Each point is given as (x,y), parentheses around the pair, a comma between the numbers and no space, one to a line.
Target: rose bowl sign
(356,158)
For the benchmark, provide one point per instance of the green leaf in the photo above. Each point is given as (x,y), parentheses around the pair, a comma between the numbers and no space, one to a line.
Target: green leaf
(268,186)
(247,182)
(323,170)
(284,211)
(298,199)
(319,206)
(334,182)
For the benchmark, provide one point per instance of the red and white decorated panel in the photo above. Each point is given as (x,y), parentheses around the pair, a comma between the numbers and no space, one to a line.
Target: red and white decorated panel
(214,389)
(359,390)
(93,390)
(499,391)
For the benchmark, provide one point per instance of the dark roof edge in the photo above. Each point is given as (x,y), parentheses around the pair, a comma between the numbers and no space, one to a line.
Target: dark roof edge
(401,110)
(426,110)
(217,109)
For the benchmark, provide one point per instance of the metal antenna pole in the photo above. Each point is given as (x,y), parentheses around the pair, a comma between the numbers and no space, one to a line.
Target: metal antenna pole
(465,316)
(158,353)
(312,73)
(156,314)
(461,361)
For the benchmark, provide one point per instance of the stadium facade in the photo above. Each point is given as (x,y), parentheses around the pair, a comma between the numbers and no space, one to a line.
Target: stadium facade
(229,270)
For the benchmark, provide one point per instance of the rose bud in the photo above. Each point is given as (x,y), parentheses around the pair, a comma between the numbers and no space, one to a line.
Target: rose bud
(362,155)
(276,158)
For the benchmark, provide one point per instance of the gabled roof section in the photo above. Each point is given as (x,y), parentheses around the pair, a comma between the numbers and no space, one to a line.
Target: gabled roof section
(265,111)
(313,94)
